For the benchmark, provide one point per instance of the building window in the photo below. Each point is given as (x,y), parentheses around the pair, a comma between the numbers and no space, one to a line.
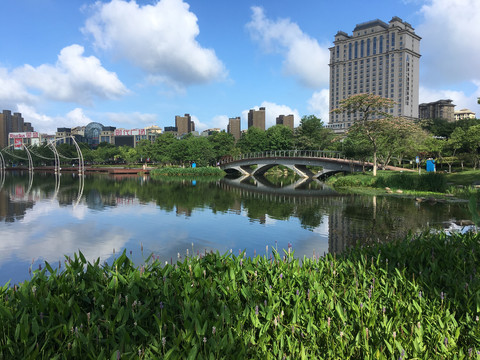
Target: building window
(350,52)
(361,48)
(356,49)
(374,45)
(368,47)
(381,44)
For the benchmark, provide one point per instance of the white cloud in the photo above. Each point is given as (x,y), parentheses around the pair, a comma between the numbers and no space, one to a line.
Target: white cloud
(199,126)
(450,45)
(12,90)
(158,38)
(460,99)
(305,58)
(76,117)
(220,121)
(47,124)
(74,78)
(318,104)
(272,111)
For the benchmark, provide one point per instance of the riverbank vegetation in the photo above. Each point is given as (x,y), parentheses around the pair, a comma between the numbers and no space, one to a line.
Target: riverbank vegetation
(187,172)
(462,185)
(414,298)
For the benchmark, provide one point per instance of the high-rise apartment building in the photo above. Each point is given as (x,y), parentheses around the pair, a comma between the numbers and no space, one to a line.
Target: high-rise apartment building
(256,118)
(11,123)
(378,58)
(234,127)
(441,109)
(184,124)
(285,120)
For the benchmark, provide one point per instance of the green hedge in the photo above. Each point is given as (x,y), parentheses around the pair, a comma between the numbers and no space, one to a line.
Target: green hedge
(435,182)
(416,298)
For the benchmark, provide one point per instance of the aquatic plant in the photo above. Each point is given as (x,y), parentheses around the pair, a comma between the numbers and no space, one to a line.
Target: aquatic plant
(414,298)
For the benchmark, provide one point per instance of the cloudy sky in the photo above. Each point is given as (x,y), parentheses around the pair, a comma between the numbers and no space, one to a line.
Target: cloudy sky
(137,63)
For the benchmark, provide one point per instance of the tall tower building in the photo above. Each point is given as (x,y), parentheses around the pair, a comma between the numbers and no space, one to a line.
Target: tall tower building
(378,58)
(256,118)
(286,120)
(184,124)
(234,128)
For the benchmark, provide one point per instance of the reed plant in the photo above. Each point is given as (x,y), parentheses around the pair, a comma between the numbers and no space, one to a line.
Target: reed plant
(414,298)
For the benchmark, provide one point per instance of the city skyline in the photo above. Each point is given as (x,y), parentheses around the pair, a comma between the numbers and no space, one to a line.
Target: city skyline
(68,64)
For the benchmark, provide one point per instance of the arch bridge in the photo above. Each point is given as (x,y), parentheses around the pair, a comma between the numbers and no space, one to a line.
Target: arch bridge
(300,161)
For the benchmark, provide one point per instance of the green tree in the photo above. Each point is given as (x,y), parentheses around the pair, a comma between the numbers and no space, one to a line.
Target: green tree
(438,127)
(129,154)
(145,149)
(253,140)
(279,137)
(106,153)
(222,143)
(400,138)
(312,134)
(373,122)
(164,147)
(472,140)
(198,150)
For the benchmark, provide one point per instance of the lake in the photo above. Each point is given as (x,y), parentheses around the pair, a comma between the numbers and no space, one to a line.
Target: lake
(44,217)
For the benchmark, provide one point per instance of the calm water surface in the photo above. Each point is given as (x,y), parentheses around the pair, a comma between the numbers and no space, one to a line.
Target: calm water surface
(43,218)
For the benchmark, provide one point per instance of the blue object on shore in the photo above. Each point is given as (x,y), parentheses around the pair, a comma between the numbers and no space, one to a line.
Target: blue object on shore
(430,165)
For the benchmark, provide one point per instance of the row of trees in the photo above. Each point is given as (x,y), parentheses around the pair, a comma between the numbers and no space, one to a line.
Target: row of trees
(384,140)
(203,151)
(386,137)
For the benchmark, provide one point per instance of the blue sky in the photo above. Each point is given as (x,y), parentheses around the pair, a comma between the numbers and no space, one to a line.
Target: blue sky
(137,63)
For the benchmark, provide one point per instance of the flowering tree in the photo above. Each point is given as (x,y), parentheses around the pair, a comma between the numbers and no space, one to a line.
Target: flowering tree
(373,111)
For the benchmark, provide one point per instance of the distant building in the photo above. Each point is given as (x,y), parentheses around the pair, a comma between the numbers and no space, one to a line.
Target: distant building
(133,137)
(17,139)
(62,136)
(107,135)
(441,109)
(184,124)
(209,132)
(234,127)
(464,114)
(10,124)
(378,58)
(154,129)
(285,120)
(170,129)
(256,118)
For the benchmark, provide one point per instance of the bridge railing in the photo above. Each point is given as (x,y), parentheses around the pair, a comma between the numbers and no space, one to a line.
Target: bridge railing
(285,154)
